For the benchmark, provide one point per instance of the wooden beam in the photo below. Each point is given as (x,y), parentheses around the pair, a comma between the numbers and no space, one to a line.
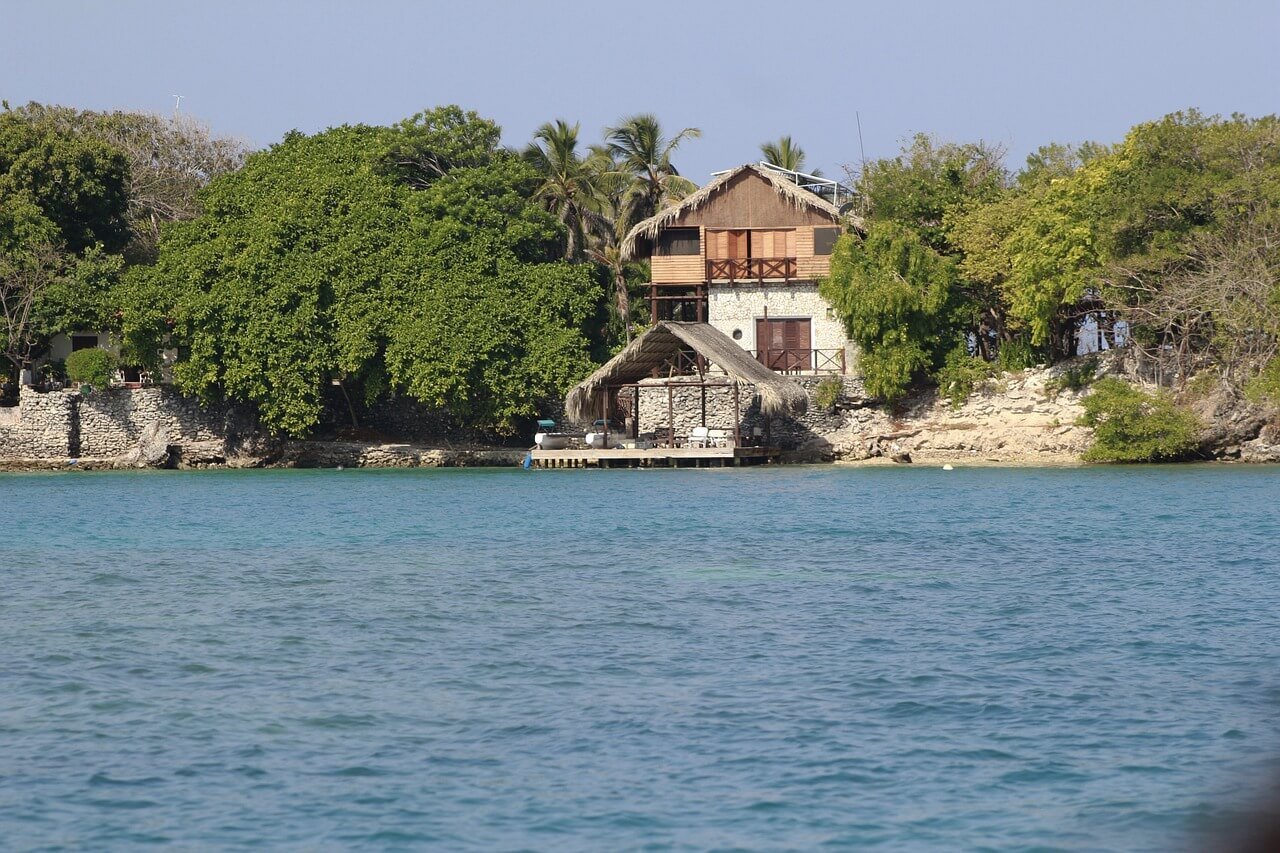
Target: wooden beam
(737,416)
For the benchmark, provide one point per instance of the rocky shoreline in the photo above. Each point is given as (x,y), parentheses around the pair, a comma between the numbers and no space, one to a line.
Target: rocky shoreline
(1027,418)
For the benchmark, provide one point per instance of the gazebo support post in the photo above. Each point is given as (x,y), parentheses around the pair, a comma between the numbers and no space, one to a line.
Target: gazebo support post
(737,416)
(605,415)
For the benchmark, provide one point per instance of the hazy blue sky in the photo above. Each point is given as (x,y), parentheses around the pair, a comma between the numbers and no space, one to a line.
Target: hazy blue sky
(1019,73)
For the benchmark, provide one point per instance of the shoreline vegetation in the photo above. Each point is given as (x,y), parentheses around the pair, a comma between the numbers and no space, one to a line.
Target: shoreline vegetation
(424,262)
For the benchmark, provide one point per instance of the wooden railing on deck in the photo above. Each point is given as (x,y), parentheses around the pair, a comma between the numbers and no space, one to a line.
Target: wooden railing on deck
(735,269)
(802,360)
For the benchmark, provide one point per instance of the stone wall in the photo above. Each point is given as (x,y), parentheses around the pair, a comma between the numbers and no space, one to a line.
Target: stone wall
(108,423)
(735,308)
(112,420)
(42,426)
(687,409)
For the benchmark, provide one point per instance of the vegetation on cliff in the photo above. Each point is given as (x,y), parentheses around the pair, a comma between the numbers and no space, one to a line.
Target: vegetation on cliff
(1131,425)
(1175,231)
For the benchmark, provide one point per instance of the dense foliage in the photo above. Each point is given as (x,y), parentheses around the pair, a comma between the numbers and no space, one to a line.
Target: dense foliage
(91,366)
(322,262)
(898,285)
(424,259)
(1175,230)
(80,193)
(1131,425)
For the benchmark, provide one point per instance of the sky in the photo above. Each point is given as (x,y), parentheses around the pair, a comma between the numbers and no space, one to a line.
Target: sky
(1019,74)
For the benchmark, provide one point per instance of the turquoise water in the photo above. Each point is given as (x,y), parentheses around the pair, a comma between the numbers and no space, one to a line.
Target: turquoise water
(776,658)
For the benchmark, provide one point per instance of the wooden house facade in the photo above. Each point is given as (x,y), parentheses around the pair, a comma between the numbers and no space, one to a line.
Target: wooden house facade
(744,254)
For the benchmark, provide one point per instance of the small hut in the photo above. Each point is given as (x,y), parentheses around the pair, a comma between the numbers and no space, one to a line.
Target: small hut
(679,359)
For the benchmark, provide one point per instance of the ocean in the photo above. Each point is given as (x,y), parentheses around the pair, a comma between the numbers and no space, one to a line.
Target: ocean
(757,659)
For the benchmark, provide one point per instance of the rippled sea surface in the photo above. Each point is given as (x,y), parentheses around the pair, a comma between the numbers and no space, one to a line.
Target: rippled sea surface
(778,658)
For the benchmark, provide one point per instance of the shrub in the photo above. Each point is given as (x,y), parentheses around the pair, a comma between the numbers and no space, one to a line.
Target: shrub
(960,374)
(828,393)
(1202,385)
(54,371)
(1074,377)
(1265,387)
(1017,355)
(91,366)
(1130,425)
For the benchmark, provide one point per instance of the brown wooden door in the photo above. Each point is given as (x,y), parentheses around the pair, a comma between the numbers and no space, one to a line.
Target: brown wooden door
(784,344)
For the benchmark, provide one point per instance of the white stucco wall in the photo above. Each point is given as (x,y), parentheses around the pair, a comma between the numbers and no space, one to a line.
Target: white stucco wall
(60,344)
(733,308)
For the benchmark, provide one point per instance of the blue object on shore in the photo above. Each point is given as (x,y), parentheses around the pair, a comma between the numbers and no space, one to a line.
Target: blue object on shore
(528,460)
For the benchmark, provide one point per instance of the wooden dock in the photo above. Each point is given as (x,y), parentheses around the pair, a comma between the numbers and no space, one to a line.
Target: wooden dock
(659,457)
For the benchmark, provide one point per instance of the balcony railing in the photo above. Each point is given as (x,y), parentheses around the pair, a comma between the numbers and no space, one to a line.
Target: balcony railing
(748,269)
(802,360)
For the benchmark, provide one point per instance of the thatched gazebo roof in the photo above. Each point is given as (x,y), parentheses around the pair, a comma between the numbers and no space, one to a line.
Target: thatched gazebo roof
(798,196)
(778,395)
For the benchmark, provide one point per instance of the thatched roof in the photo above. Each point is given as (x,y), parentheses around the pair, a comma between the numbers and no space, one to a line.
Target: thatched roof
(778,395)
(798,196)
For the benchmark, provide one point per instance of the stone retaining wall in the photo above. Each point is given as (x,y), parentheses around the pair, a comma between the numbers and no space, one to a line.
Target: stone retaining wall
(108,423)
(112,420)
(41,426)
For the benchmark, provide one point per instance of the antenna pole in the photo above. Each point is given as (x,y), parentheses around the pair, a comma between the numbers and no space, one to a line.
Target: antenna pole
(861,150)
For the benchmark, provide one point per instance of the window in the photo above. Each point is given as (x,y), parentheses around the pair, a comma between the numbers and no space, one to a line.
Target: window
(79,342)
(726,244)
(678,241)
(824,240)
(777,243)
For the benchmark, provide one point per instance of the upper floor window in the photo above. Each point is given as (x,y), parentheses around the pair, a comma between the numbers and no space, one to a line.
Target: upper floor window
(678,241)
(824,240)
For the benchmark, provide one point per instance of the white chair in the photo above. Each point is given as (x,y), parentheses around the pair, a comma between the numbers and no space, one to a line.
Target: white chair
(700,436)
(718,437)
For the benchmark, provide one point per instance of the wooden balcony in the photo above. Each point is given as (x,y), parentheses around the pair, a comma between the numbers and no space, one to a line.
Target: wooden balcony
(750,269)
(802,360)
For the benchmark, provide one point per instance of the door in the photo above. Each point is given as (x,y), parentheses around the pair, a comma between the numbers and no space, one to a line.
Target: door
(783,345)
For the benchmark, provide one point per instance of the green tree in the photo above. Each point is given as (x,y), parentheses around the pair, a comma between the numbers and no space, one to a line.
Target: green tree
(328,260)
(899,288)
(784,153)
(432,143)
(80,184)
(643,153)
(169,160)
(569,188)
(896,295)
(63,204)
(929,179)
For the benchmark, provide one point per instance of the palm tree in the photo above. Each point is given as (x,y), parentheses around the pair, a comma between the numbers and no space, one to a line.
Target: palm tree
(569,181)
(641,151)
(609,255)
(784,153)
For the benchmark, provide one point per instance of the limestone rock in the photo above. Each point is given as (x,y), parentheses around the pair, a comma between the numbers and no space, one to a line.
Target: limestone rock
(151,451)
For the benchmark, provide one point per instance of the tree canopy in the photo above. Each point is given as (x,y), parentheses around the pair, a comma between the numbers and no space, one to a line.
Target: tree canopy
(409,258)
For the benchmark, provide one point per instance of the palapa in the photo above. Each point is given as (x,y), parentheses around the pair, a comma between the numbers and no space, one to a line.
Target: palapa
(778,394)
(798,196)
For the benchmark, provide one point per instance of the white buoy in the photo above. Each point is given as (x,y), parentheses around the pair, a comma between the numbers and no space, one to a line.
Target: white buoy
(948,467)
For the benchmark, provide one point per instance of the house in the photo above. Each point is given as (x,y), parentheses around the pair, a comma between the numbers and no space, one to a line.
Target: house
(744,254)
(64,344)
